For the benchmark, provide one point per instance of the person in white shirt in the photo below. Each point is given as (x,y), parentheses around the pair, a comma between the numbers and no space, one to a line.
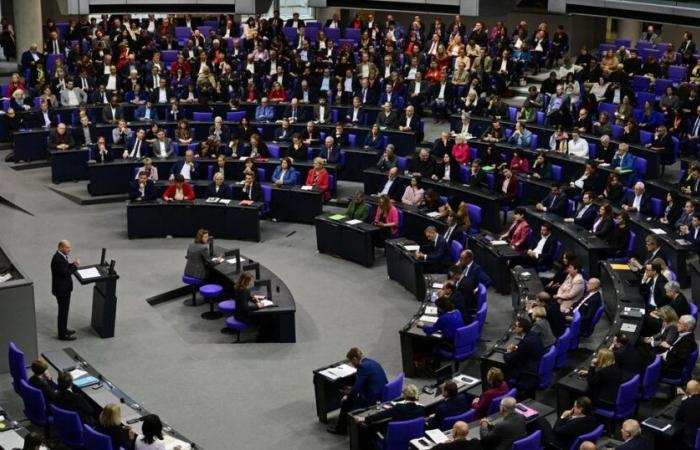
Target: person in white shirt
(162,146)
(578,146)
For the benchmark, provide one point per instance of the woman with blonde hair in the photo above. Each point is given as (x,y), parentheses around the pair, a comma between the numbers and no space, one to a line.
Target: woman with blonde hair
(604,378)
(662,341)
(110,423)
(496,388)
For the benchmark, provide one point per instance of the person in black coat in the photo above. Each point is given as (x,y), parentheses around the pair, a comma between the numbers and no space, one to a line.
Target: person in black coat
(604,379)
(620,238)
(588,306)
(555,202)
(392,187)
(652,286)
(604,225)
(586,214)
(627,358)
(555,317)
(69,400)
(677,299)
(688,412)
(541,251)
(407,409)
(250,189)
(522,361)
(142,189)
(632,437)
(423,164)
(459,441)
(41,379)
(245,301)
(436,253)
(676,357)
(218,189)
(454,230)
(573,423)
(637,200)
(450,292)
(454,404)
(62,285)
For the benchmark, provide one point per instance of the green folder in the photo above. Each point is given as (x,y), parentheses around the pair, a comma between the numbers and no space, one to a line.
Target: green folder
(336,217)
(487,168)
(627,171)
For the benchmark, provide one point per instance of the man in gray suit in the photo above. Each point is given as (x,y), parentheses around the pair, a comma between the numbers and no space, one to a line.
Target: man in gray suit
(72,96)
(198,258)
(501,435)
(162,147)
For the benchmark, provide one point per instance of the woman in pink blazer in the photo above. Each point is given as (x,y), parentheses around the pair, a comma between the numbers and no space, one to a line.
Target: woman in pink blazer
(386,218)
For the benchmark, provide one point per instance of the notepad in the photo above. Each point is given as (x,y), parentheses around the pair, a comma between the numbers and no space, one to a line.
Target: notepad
(86,381)
(353,222)
(77,373)
(683,242)
(525,411)
(428,319)
(89,273)
(431,310)
(411,248)
(212,200)
(336,217)
(494,243)
(436,436)
(306,188)
(658,231)
(628,327)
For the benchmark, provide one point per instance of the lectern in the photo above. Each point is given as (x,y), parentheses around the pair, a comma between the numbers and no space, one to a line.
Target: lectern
(104,296)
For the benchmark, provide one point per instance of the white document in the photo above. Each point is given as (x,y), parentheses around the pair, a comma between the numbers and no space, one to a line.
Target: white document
(438,285)
(233,260)
(353,222)
(628,327)
(436,436)
(306,188)
(433,214)
(225,201)
(77,373)
(212,200)
(340,371)
(265,303)
(658,231)
(462,380)
(431,310)
(494,243)
(428,319)
(411,248)
(171,442)
(91,272)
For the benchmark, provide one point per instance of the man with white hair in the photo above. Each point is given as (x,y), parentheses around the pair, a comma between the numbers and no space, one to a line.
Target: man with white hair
(500,436)
(632,436)
(588,305)
(676,357)
(62,285)
(459,440)
(676,298)
(407,409)
(637,200)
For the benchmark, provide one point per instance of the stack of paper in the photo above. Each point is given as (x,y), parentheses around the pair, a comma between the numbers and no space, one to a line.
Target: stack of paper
(658,231)
(499,243)
(224,201)
(428,319)
(353,222)
(306,188)
(77,373)
(431,310)
(433,214)
(89,273)
(437,436)
(171,442)
(438,285)
(341,371)
(411,248)
(265,303)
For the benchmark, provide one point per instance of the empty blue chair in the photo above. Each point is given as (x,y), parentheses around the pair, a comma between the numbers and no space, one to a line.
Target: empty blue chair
(464,344)
(693,309)
(352,140)
(644,44)
(34,404)
(332,33)
(575,328)
(562,346)
(182,32)
(640,168)
(645,137)
(195,283)
(540,118)
(392,390)
(168,56)
(202,116)
(616,131)
(235,116)
(69,427)
(401,163)
(210,292)
(640,83)
(18,367)
(547,368)
(533,142)
(290,33)
(227,307)
(531,442)
(261,172)
(677,74)
(274,150)
(643,97)
(660,86)
(448,422)
(491,180)
(571,208)
(481,316)
(400,433)
(685,373)
(650,383)
(455,250)
(496,402)
(352,33)
(95,440)
(625,402)
(608,107)
(623,43)
(656,207)
(235,326)
(474,213)
(593,436)
(512,113)
(556,172)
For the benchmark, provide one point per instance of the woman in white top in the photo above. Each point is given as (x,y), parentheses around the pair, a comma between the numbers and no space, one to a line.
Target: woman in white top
(152,437)
(413,195)
(599,88)
(149,169)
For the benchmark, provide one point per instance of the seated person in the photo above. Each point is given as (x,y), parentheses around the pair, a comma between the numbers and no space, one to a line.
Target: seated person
(692,232)
(555,202)
(101,153)
(571,289)
(676,357)
(458,439)
(34,441)
(447,169)
(407,409)
(245,300)
(69,400)
(604,378)
(588,305)
(682,225)
(573,423)
(466,307)
(186,167)
(297,150)
(110,423)
(453,404)
(250,189)
(413,194)
(541,168)
(496,388)
(637,200)
(614,190)
(218,189)
(502,434)
(604,225)
(509,188)
(285,173)
(388,159)
(687,413)
(258,148)
(449,320)
(41,379)
(387,218)
(519,163)
(627,357)
(317,178)
(540,326)
(436,253)
(142,189)
(662,341)
(518,232)
(357,208)
(179,191)
(542,250)
(150,170)
(522,362)
(586,214)
(423,165)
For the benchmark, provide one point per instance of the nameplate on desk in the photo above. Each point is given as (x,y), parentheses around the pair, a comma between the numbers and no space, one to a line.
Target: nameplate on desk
(657,424)
(337,217)
(77,373)
(89,273)
(658,231)
(628,327)
(341,371)
(428,319)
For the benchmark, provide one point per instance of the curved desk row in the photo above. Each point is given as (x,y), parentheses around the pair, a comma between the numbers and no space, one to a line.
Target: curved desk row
(105,392)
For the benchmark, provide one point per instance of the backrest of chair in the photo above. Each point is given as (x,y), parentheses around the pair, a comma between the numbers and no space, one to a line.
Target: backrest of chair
(556,172)
(626,400)
(69,426)
(688,369)
(455,250)
(481,296)
(17,365)
(693,310)
(531,442)
(448,422)
(593,436)
(400,433)
(630,244)
(496,402)
(260,174)
(466,338)
(235,116)
(401,163)
(474,212)
(562,345)
(546,368)
(95,440)
(656,207)
(533,142)
(392,390)
(481,315)
(267,193)
(202,116)
(34,403)
(652,373)
(697,439)
(640,167)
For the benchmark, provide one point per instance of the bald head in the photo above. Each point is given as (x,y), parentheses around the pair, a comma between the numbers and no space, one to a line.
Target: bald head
(630,429)
(587,445)
(593,284)
(692,388)
(64,247)
(460,430)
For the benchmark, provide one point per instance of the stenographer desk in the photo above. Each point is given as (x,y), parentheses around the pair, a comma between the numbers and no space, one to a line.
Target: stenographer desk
(494,259)
(402,266)
(69,165)
(489,201)
(329,390)
(106,391)
(619,289)
(335,236)
(160,218)
(589,248)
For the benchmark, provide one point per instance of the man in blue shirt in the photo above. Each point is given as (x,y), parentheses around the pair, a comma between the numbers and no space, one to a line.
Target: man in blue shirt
(265,112)
(367,390)
(623,159)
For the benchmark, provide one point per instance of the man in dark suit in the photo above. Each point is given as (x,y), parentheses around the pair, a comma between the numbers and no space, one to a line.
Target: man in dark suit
(367,390)
(41,379)
(250,189)
(190,172)
(573,423)
(387,118)
(627,358)
(689,412)
(367,95)
(522,362)
(459,441)
(662,144)
(408,121)
(407,409)
(423,165)
(555,317)
(676,357)
(295,22)
(86,133)
(542,250)
(588,306)
(586,213)
(112,113)
(653,251)
(454,230)
(692,232)
(652,287)
(142,189)
(555,202)
(471,270)
(441,95)
(677,299)
(637,200)
(502,435)
(435,254)
(62,285)
(356,114)
(69,400)
(392,185)
(31,57)
(60,138)
(691,185)
(295,113)
(632,436)
(454,404)
(477,177)
(218,189)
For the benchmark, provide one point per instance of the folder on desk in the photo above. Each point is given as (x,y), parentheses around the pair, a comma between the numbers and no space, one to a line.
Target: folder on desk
(85,381)
(658,231)
(337,217)
(628,327)
(620,266)
(657,424)
(525,411)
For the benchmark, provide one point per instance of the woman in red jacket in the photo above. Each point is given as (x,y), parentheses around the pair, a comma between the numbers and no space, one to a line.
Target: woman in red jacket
(317,178)
(277,94)
(460,150)
(497,387)
(518,232)
(179,191)
(387,218)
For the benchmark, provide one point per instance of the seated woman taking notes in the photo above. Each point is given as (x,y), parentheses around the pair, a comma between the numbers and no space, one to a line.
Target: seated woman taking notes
(179,191)
(245,301)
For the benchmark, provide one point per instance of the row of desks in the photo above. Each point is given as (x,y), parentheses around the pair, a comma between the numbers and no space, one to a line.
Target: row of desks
(11,433)
(106,392)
